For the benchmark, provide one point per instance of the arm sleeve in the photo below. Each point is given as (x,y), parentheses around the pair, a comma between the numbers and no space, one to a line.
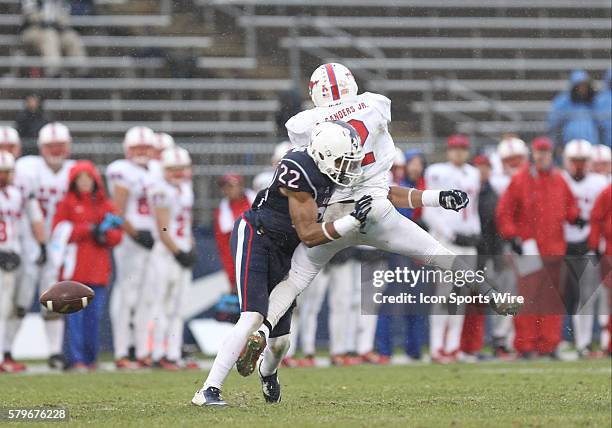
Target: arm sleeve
(116,177)
(295,177)
(572,212)
(597,218)
(505,213)
(299,128)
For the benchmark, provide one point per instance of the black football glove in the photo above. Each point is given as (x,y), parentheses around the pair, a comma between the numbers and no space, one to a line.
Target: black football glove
(99,235)
(144,239)
(517,245)
(580,222)
(362,208)
(9,261)
(42,256)
(466,240)
(186,258)
(453,199)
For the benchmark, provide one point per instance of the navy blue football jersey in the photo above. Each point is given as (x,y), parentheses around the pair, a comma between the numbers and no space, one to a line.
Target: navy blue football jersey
(296,172)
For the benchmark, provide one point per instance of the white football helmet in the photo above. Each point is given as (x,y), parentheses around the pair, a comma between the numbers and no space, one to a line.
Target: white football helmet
(164,141)
(601,153)
(280,150)
(54,141)
(177,165)
(510,147)
(9,140)
(138,144)
(335,147)
(331,84)
(175,157)
(578,149)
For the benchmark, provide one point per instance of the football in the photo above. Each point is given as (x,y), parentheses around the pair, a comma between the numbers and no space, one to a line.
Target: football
(67,297)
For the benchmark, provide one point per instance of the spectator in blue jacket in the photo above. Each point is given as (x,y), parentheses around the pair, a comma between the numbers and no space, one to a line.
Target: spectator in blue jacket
(603,109)
(572,115)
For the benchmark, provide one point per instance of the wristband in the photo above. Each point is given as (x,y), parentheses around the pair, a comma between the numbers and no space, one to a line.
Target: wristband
(346,224)
(431,198)
(326,233)
(410,198)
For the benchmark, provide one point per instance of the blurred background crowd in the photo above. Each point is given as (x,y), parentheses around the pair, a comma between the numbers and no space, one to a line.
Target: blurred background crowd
(497,91)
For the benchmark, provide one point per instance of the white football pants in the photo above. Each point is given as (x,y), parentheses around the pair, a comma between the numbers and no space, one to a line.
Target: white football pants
(160,307)
(132,263)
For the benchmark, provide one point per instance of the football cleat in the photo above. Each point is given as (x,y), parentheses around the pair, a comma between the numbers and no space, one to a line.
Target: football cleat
(270,387)
(166,365)
(11,366)
(210,396)
(247,360)
(57,362)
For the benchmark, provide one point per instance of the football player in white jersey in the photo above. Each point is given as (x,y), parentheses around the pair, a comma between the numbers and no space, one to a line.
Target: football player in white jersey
(169,274)
(129,181)
(11,211)
(458,232)
(586,187)
(512,153)
(333,90)
(33,221)
(44,178)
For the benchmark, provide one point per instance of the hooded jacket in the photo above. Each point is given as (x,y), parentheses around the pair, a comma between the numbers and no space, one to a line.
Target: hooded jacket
(85,259)
(535,206)
(603,109)
(570,118)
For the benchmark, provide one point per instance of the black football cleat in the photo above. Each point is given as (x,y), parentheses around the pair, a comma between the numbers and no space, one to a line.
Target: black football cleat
(270,387)
(210,396)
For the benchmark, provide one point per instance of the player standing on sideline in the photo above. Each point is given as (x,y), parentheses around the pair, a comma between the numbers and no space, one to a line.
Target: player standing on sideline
(44,178)
(33,221)
(129,180)
(266,236)
(163,141)
(601,161)
(172,258)
(582,277)
(13,209)
(334,92)
(458,232)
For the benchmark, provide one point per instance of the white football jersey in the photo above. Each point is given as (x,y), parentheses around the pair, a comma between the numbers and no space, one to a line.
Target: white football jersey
(370,115)
(155,169)
(11,212)
(35,179)
(586,192)
(179,200)
(138,181)
(447,223)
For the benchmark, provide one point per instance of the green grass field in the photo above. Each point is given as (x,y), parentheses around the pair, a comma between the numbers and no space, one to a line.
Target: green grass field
(538,394)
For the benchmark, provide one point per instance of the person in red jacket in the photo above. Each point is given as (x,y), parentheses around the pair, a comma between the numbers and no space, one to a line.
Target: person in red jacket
(601,229)
(531,214)
(85,228)
(236,200)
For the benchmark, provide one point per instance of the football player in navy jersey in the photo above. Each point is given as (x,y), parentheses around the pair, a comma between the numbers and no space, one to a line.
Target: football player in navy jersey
(265,237)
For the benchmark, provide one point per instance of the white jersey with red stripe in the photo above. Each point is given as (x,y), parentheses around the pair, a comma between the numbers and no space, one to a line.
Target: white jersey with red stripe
(12,210)
(36,179)
(586,192)
(137,180)
(370,115)
(179,200)
(446,224)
